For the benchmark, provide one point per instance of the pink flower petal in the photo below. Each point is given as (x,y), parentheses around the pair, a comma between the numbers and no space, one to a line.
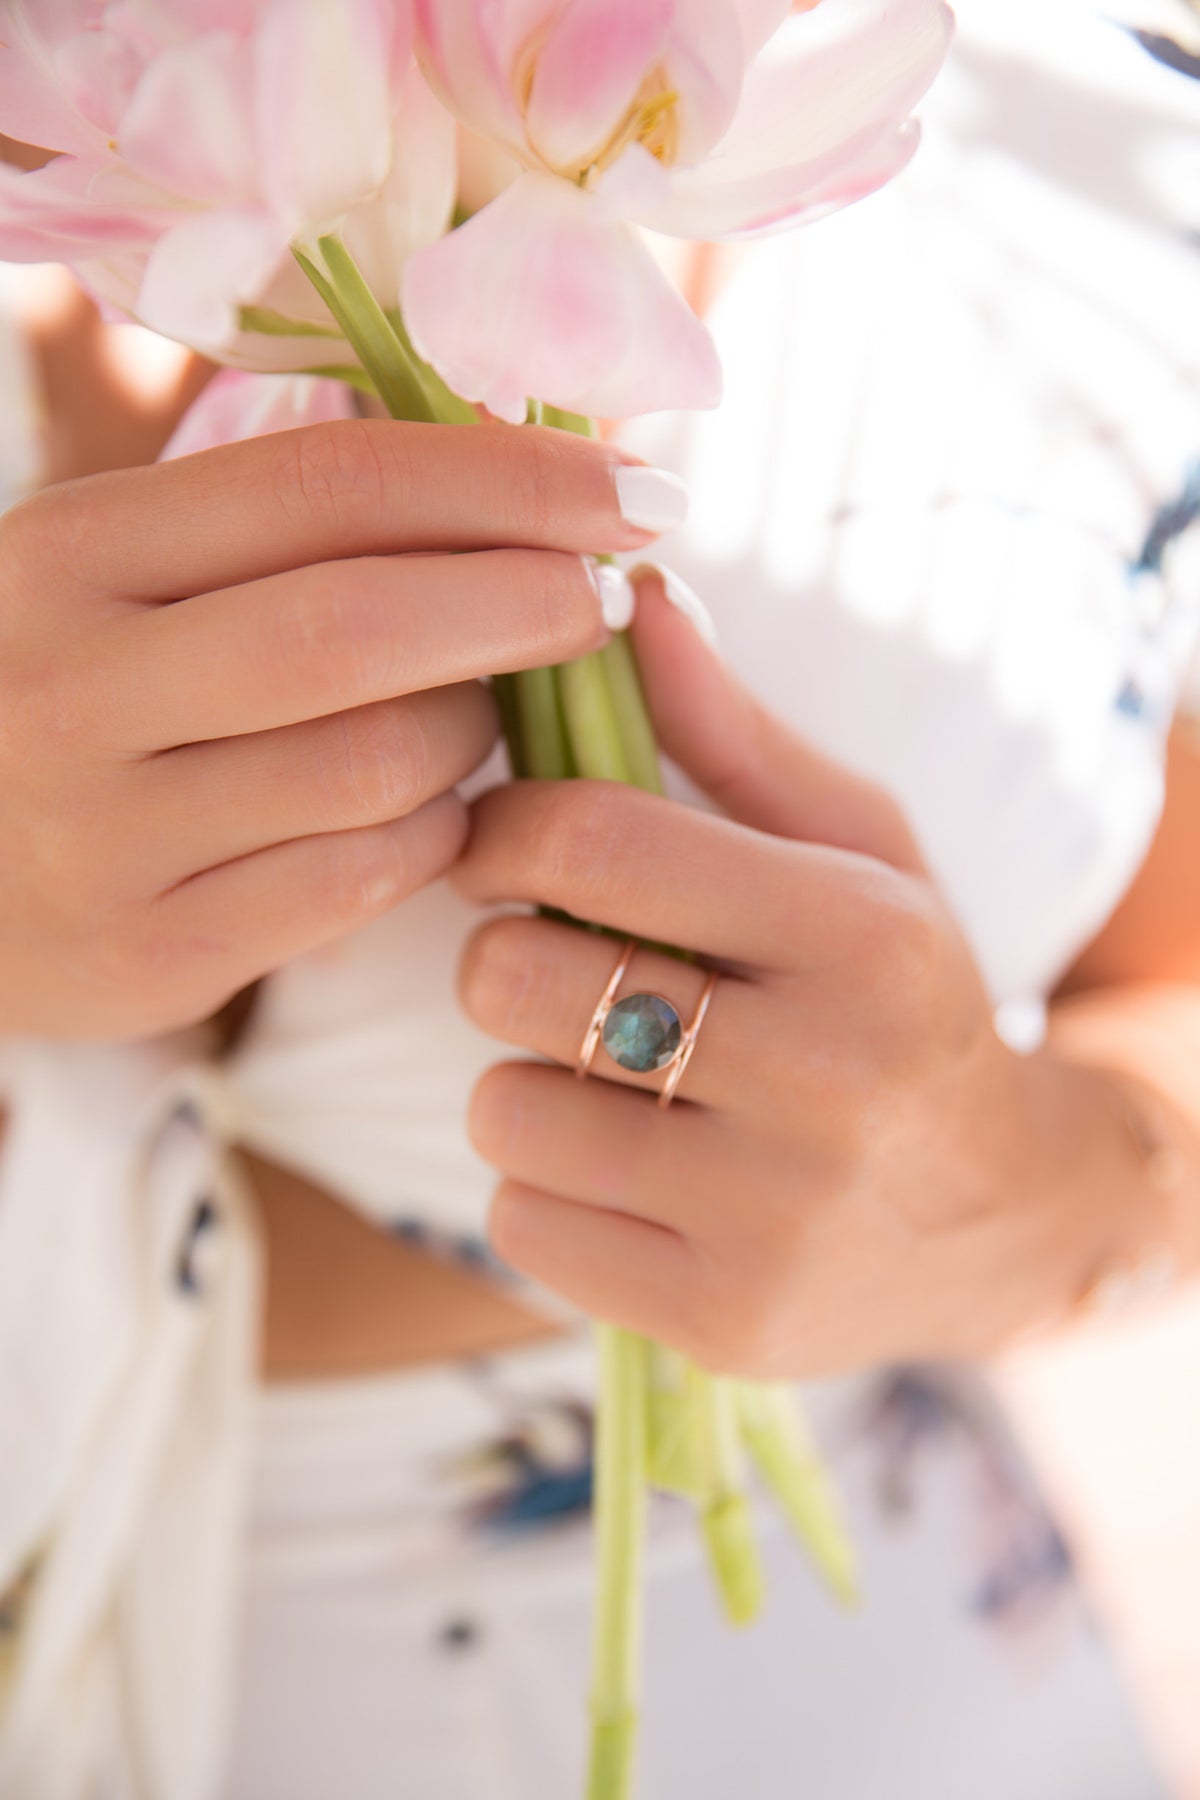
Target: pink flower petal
(323,71)
(189,123)
(98,71)
(237,405)
(34,109)
(76,207)
(632,189)
(416,202)
(595,57)
(786,197)
(539,295)
(835,83)
(704,66)
(758,19)
(153,27)
(469,48)
(205,268)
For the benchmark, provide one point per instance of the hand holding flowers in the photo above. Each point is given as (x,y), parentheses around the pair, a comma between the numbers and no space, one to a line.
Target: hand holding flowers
(214,154)
(233,737)
(860,1170)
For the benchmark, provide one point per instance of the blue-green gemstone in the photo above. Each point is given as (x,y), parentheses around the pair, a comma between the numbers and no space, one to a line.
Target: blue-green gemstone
(642,1033)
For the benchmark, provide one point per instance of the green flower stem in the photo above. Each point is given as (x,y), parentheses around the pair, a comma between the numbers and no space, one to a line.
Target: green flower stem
(351,373)
(672,1465)
(776,1436)
(725,1516)
(620,1509)
(541,729)
(448,407)
(551,717)
(629,705)
(265,320)
(508,702)
(589,718)
(593,724)
(366,327)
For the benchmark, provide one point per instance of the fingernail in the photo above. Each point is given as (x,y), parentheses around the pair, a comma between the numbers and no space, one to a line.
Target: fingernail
(617,600)
(685,600)
(650,499)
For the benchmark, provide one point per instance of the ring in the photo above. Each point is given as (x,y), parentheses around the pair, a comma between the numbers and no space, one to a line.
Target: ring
(643,1032)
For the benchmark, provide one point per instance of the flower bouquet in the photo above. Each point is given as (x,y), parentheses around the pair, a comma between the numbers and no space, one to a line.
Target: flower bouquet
(277,183)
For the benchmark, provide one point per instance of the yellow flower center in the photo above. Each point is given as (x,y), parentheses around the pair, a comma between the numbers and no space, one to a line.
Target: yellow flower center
(651,122)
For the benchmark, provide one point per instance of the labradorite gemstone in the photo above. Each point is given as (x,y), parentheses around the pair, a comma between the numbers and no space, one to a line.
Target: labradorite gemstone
(642,1033)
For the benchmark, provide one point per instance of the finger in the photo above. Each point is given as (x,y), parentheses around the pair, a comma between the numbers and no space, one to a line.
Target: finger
(231,924)
(535,984)
(337,636)
(738,752)
(205,804)
(600,1145)
(652,869)
(615,1268)
(348,488)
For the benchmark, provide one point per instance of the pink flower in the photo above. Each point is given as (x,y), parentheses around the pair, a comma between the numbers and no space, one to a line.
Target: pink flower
(237,404)
(200,139)
(695,118)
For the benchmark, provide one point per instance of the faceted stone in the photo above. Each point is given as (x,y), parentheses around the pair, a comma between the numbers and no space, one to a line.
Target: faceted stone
(642,1033)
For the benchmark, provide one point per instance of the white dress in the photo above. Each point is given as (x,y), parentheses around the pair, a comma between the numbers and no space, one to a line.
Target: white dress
(920,519)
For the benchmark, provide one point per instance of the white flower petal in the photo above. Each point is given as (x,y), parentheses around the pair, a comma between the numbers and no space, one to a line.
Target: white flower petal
(540,295)
(203,270)
(323,71)
(834,83)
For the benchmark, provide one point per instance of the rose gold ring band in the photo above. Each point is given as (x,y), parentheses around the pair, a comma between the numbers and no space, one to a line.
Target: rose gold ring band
(604,1006)
(683,1056)
(677,1067)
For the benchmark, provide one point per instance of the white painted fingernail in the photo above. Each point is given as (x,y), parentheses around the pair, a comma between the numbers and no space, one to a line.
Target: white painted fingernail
(617,599)
(650,499)
(686,601)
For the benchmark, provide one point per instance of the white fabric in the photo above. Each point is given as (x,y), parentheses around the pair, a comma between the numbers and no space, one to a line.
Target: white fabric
(356,1577)
(124,1414)
(952,414)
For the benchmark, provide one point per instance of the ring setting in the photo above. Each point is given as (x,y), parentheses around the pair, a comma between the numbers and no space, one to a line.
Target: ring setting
(643,1032)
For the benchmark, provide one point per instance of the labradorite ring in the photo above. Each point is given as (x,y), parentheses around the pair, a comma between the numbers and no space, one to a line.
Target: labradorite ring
(642,1032)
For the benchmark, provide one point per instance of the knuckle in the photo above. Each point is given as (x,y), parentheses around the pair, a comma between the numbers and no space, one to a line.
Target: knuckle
(51,525)
(361,872)
(497,1115)
(134,955)
(333,474)
(498,975)
(56,861)
(579,830)
(558,611)
(743,1327)
(320,634)
(507,1225)
(143,974)
(538,470)
(56,710)
(906,939)
(384,763)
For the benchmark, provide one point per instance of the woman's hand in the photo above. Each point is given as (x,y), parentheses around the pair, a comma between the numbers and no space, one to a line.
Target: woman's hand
(237,690)
(856,1168)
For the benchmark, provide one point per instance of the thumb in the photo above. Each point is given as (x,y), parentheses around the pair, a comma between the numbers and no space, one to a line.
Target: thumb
(739,753)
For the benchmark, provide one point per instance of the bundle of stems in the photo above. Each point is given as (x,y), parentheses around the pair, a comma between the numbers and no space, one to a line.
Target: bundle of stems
(661,1421)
